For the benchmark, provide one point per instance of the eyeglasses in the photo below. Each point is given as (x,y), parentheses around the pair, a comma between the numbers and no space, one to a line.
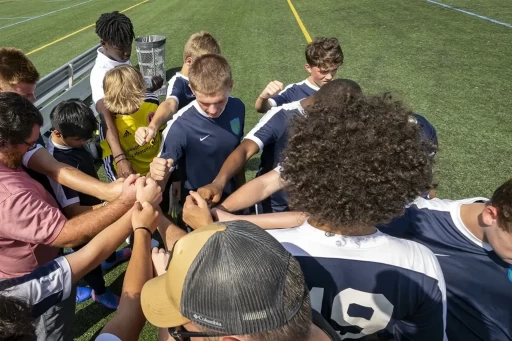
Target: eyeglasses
(31,145)
(179,334)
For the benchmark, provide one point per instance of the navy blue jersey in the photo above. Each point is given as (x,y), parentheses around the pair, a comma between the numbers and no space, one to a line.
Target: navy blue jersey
(80,159)
(179,89)
(199,145)
(371,284)
(478,282)
(294,92)
(271,135)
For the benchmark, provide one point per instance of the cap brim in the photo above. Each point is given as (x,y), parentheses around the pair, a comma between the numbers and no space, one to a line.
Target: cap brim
(159,310)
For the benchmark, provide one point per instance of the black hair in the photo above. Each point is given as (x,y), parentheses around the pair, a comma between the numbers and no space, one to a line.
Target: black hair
(17,118)
(73,118)
(115,28)
(16,320)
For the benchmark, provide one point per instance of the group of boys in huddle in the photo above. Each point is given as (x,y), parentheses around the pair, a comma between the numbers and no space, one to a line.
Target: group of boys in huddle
(339,236)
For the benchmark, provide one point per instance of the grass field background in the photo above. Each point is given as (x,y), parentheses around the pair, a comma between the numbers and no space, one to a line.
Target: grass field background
(449,66)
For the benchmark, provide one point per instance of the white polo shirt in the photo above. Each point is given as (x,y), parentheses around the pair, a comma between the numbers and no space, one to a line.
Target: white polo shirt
(100,68)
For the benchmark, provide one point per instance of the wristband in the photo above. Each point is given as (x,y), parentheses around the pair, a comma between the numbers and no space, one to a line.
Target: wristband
(118,155)
(121,160)
(145,229)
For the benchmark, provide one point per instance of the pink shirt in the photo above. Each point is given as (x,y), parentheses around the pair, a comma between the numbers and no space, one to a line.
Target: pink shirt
(30,221)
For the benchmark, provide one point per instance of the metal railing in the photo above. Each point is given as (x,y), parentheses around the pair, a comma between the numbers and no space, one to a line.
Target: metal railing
(71,80)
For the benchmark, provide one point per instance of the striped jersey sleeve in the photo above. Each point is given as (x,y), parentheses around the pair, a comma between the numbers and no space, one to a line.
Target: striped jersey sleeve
(42,288)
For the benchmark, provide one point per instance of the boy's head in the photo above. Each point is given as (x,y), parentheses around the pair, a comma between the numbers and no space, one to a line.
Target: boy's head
(124,89)
(116,33)
(17,73)
(73,123)
(211,82)
(355,161)
(199,44)
(324,57)
(497,221)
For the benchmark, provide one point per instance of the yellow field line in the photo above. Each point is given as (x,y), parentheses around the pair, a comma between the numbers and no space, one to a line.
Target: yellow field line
(299,21)
(78,31)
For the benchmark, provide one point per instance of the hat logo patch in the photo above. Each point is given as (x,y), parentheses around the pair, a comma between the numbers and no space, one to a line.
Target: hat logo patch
(207,320)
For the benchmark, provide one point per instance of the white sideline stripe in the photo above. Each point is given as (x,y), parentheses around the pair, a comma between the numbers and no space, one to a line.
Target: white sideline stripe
(15,18)
(471,13)
(43,15)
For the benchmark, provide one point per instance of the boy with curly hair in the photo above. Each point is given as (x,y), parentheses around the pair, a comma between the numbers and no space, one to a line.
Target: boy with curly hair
(354,163)
(473,241)
(323,58)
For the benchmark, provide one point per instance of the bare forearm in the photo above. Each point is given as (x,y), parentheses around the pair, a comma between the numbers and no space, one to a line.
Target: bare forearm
(100,247)
(236,162)
(251,193)
(169,232)
(81,182)
(164,113)
(270,221)
(140,269)
(83,228)
(262,105)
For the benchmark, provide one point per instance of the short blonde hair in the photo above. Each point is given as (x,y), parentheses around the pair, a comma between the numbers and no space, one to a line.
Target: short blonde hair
(15,67)
(199,44)
(124,89)
(210,74)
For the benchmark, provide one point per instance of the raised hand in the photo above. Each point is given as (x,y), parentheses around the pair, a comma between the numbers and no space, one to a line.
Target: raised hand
(148,190)
(272,89)
(144,215)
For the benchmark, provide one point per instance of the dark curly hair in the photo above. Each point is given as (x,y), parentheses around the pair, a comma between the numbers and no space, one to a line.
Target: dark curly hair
(115,28)
(502,200)
(16,320)
(355,161)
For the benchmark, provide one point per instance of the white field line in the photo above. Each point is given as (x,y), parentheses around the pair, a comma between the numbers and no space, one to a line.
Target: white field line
(43,15)
(12,18)
(471,13)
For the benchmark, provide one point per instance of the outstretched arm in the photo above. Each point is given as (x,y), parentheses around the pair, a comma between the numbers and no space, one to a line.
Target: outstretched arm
(267,221)
(230,168)
(254,191)
(129,319)
(163,114)
(262,103)
(42,162)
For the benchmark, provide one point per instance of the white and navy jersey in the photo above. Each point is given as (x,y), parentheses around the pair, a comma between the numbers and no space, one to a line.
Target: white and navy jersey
(371,284)
(271,136)
(80,159)
(179,89)
(294,92)
(199,144)
(42,288)
(478,282)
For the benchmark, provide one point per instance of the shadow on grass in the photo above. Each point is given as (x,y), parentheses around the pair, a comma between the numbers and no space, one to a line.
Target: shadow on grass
(253,164)
(91,315)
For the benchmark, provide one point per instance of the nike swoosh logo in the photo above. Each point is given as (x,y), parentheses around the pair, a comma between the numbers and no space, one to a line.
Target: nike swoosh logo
(438,255)
(203,138)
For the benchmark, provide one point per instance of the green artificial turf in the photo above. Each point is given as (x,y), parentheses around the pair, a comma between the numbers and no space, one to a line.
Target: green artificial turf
(449,66)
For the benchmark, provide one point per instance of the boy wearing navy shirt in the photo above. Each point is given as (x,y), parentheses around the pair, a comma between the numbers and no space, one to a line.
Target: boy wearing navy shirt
(324,56)
(73,124)
(472,240)
(179,94)
(203,134)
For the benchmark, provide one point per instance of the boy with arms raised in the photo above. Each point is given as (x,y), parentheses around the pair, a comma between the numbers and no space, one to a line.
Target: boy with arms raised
(179,94)
(73,124)
(324,57)
(350,164)
(116,33)
(472,238)
(203,134)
